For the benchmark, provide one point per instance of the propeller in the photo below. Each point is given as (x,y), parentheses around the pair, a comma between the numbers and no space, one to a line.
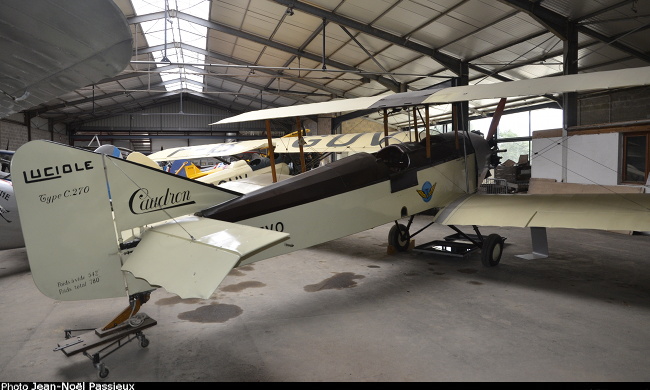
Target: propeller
(496,117)
(492,132)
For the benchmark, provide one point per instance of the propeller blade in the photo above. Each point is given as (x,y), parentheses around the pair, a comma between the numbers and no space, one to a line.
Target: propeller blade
(495,119)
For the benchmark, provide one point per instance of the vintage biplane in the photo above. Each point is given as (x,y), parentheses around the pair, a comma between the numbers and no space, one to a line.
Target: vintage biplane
(168,227)
(236,168)
(160,230)
(180,162)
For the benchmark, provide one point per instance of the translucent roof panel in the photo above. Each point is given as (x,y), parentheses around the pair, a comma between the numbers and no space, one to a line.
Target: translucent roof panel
(177,37)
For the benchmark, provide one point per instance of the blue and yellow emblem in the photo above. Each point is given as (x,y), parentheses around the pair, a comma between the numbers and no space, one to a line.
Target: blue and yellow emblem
(427,191)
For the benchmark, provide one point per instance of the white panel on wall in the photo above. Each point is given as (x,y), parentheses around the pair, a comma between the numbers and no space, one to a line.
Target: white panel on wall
(546,160)
(593,159)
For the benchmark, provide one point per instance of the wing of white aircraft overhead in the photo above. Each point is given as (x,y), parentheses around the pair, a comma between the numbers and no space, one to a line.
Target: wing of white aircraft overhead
(576,211)
(546,85)
(71,48)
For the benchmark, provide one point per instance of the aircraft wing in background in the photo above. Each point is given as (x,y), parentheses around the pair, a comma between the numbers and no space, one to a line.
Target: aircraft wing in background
(71,48)
(207,151)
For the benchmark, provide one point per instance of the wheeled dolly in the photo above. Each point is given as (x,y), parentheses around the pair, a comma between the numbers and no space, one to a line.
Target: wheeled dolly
(125,328)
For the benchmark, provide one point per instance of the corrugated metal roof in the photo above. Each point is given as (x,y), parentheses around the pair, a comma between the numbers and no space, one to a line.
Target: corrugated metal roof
(271,53)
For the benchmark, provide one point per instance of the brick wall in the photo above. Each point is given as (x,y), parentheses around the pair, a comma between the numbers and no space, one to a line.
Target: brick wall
(616,106)
(13,134)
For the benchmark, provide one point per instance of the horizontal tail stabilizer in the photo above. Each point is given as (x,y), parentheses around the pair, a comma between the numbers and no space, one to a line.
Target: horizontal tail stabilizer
(191,256)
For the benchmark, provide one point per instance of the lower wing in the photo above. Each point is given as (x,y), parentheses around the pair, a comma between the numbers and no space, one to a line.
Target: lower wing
(577,211)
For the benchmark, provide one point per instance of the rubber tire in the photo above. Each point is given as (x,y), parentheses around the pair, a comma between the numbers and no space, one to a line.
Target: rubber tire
(399,237)
(491,250)
(103,372)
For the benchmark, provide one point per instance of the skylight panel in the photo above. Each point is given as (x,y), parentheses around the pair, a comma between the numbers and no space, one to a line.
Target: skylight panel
(180,37)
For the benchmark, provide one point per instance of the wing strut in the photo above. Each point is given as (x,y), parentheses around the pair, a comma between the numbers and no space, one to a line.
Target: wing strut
(415,123)
(271,150)
(428,128)
(386,125)
(454,116)
(300,142)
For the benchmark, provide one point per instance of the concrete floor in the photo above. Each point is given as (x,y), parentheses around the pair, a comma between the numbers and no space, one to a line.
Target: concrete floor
(347,310)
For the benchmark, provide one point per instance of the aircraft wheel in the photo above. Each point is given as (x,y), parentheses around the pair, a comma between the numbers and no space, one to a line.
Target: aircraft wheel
(137,320)
(399,237)
(492,250)
(102,371)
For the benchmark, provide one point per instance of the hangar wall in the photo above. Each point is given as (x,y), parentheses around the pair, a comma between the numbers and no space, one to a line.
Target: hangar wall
(591,159)
(179,123)
(616,106)
(593,149)
(14,133)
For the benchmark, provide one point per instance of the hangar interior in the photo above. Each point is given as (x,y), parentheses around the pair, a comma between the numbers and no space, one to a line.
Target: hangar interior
(193,63)
(152,75)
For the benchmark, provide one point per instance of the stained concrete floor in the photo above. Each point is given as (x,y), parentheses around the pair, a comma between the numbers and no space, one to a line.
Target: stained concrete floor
(347,310)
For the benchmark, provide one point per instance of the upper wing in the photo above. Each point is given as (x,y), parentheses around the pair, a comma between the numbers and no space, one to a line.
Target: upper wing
(545,85)
(578,211)
(557,84)
(304,109)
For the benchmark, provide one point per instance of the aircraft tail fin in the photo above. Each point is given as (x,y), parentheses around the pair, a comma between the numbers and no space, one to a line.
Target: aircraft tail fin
(76,233)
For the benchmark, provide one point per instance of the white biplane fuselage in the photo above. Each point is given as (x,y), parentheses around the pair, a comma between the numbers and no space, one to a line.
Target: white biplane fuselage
(356,193)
